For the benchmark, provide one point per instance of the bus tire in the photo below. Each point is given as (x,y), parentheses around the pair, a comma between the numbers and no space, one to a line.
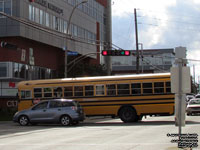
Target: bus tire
(128,114)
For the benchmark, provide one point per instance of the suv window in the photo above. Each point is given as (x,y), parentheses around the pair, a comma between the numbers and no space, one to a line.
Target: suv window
(55,104)
(42,105)
(67,104)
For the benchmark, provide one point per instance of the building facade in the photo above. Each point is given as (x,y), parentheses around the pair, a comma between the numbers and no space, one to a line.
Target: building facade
(150,61)
(33,38)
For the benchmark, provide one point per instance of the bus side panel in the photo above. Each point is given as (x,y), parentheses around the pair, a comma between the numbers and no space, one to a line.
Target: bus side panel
(101,110)
(155,109)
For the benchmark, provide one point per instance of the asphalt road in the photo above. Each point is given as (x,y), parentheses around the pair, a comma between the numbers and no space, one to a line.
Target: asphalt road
(97,134)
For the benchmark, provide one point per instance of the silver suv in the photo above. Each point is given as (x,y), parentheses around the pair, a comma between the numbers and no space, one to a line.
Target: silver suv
(62,111)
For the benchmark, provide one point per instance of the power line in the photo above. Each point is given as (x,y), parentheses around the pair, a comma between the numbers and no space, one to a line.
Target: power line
(167,20)
(176,15)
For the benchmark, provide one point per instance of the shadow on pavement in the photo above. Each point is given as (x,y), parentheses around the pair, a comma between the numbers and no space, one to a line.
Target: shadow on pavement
(10,128)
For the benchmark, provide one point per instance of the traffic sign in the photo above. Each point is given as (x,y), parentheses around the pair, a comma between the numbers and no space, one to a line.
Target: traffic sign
(72,53)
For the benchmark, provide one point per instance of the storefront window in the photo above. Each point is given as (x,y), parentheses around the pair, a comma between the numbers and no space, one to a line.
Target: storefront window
(3,70)
(16,70)
(22,70)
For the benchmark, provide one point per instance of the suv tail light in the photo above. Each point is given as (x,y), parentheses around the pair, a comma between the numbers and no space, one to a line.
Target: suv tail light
(74,108)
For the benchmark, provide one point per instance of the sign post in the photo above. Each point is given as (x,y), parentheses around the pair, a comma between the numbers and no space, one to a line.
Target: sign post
(181,84)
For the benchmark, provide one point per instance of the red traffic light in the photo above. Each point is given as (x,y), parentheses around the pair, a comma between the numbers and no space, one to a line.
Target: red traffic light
(104,53)
(116,53)
(127,53)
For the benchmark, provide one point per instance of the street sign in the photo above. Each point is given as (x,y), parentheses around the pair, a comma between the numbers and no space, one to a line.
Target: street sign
(72,53)
(186,80)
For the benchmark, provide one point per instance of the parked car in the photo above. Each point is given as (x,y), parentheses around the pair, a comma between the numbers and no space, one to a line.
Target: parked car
(197,96)
(62,111)
(189,97)
(193,107)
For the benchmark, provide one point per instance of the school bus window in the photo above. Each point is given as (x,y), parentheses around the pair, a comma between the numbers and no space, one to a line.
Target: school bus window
(48,92)
(159,87)
(100,90)
(37,92)
(168,87)
(147,88)
(68,91)
(58,92)
(78,91)
(123,89)
(111,89)
(25,94)
(136,88)
(89,90)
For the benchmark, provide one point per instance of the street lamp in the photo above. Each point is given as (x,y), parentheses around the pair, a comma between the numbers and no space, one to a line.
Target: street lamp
(68,27)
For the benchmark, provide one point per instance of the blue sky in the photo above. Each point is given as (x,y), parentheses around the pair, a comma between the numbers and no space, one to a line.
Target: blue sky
(161,24)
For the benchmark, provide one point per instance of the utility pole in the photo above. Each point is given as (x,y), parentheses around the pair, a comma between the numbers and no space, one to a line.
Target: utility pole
(107,59)
(136,38)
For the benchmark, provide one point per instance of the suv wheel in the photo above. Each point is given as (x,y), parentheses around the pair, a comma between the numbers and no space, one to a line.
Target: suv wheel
(65,120)
(23,120)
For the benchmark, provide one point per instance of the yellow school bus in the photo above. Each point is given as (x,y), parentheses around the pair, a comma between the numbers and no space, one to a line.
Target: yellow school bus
(129,97)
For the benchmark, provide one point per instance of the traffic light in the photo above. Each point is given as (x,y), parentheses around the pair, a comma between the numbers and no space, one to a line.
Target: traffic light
(116,53)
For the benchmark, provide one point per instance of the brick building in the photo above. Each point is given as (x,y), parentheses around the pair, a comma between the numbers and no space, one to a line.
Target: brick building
(33,39)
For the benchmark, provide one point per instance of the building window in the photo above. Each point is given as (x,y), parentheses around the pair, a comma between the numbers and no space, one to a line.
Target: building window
(30,12)
(1,6)
(3,69)
(6,6)
(47,20)
(65,27)
(41,16)
(37,16)
(75,30)
(16,70)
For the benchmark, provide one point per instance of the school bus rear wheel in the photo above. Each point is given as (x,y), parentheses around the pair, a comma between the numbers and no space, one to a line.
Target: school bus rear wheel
(128,114)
